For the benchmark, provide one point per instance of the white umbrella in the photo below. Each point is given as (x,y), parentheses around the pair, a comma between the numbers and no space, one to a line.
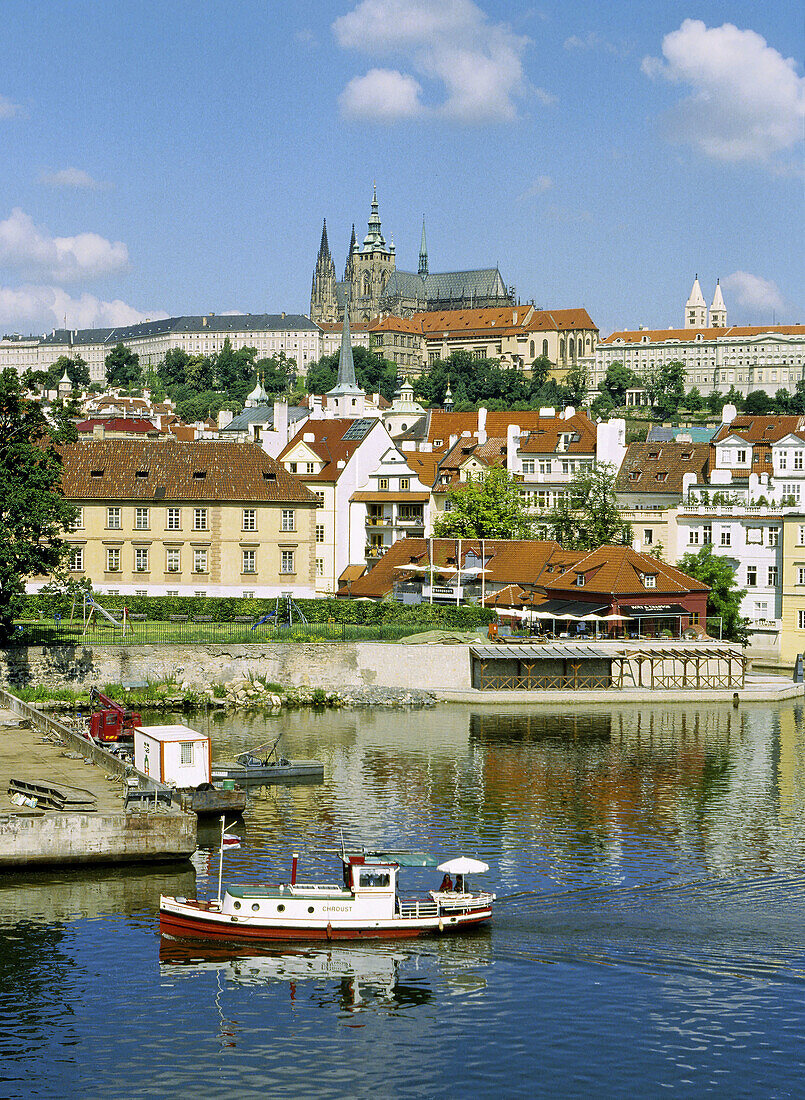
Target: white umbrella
(462,865)
(615,618)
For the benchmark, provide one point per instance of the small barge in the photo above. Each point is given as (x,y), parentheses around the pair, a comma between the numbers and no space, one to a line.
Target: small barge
(365,905)
(248,767)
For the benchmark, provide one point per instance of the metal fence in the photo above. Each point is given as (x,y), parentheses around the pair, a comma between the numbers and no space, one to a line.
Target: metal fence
(188,631)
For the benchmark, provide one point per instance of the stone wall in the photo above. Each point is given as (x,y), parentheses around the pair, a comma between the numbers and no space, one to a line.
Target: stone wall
(327,665)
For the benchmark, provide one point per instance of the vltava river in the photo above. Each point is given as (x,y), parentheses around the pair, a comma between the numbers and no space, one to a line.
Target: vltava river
(648,937)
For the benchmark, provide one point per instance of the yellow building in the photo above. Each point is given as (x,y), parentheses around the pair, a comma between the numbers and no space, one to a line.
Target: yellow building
(792,631)
(187,519)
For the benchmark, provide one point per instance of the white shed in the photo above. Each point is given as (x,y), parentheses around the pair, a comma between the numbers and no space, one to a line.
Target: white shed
(175,755)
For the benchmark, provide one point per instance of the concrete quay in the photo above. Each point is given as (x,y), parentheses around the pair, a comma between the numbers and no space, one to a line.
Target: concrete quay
(109,833)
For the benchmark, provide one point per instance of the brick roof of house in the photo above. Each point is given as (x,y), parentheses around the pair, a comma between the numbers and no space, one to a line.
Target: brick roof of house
(636,336)
(761,429)
(443,424)
(509,561)
(618,571)
(511,320)
(328,443)
(136,426)
(660,467)
(156,470)
(544,437)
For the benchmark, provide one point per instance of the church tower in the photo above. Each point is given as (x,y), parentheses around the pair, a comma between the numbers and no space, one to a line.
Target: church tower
(323,300)
(346,398)
(718,311)
(372,265)
(423,253)
(695,308)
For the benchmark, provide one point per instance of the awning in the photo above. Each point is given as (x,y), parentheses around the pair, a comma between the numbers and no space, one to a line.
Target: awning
(557,608)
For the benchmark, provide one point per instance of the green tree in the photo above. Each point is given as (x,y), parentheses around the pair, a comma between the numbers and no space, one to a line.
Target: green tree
(694,400)
(576,382)
(602,405)
(33,512)
(715,402)
(173,368)
(724,600)
(587,516)
(485,508)
(77,372)
(617,381)
(665,385)
(540,370)
(758,403)
(123,367)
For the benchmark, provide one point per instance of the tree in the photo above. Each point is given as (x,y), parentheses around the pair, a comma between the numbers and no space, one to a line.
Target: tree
(77,372)
(33,512)
(724,600)
(123,367)
(665,385)
(485,508)
(173,368)
(694,400)
(602,405)
(758,403)
(540,370)
(617,381)
(587,516)
(576,382)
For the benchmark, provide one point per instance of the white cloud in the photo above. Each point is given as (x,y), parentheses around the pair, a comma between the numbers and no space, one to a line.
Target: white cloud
(48,306)
(540,185)
(753,292)
(452,42)
(383,95)
(8,109)
(747,101)
(593,41)
(73,177)
(232,313)
(32,251)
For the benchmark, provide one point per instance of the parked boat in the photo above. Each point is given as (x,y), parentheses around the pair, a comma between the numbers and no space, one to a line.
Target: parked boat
(366,904)
(272,767)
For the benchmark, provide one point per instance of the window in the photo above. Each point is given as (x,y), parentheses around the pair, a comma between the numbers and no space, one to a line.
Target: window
(751,576)
(310,467)
(287,519)
(783,462)
(798,460)
(113,519)
(448,506)
(249,561)
(580,580)
(173,519)
(800,574)
(77,559)
(173,560)
(801,534)
(199,561)
(383,484)
(249,519)
(740,456)
(292,467)
(113,560)
(172,592)
(405,484)
(319,567)
(545,467)
(726,538)
(707,534)
(319,532)
(650,580)
(199,519)
(693,537)
(319,495)
(774,536)
(247,595)
(286,562)
(648,536)
(78,522)
(187,752)
(528,465)
(801,620)
(773,575)
(141,519)
(140,560)
(693,618)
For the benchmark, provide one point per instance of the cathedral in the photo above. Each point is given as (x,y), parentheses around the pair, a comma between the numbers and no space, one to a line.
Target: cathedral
(372,284)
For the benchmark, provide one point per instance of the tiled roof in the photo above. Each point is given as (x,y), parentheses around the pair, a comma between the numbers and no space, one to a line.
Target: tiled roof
(660,467)
(328,444)
(509,319)
(761,429)
(444,424)
(393,323)
(509,561)
(118,424)
(637,336)
(139,469)
(618,571)
(545,437)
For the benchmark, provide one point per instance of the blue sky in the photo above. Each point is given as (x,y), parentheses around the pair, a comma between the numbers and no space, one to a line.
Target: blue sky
(176,157)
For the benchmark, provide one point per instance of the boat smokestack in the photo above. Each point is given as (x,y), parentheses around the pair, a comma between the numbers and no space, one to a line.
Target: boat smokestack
(294,860)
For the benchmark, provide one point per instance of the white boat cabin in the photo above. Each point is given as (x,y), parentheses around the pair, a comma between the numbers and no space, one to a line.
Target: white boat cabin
(175,755)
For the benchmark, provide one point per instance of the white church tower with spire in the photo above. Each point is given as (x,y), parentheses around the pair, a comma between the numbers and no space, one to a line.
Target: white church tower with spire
(346,399)
(695,308)
(718,311)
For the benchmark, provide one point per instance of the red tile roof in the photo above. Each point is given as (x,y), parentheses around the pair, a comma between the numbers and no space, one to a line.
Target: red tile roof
(328,444)
(618,571)
(135,426)
(660,467)
(636,336)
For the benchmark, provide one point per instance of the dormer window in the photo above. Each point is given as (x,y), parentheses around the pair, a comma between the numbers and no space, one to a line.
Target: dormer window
(269,475)
(580,580)
(634,475)
(687,455)
(654,454)
(96,473)
(141,473)
(662,477)
(199,475)
(649,580)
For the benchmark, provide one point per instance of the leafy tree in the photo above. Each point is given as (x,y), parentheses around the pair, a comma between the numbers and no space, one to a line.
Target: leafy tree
(798,398)
(694,400)
(665,385)
(173,368)
(758,403)
(123,367)
(200,373)
(715,402)
(540,370)
(724,599)
(576,382)
(617,381)
(33,511)
(486,508)
(77,372)
(587,516)
(602,405)
(736,398)
(782,401)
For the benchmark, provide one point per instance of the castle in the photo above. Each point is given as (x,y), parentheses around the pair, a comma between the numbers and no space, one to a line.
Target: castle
(373,286)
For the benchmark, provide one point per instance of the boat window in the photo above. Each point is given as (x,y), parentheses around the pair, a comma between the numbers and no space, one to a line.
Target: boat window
(256,907)
(237,905)
(374,879)
(310,908)
(280,908)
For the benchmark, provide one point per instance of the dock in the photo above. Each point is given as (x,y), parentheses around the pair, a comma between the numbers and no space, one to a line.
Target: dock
(40,751)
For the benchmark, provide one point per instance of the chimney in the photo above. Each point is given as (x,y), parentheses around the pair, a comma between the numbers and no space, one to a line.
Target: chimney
(728,414)
(281,418)
(512,442)
(482,437)
(98,431)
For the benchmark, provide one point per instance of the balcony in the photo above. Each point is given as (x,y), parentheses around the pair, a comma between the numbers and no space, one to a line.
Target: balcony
(408,521)
(378,521)
(375,552)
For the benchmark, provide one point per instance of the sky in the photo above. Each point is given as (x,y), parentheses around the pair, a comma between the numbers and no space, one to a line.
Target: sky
(160,159)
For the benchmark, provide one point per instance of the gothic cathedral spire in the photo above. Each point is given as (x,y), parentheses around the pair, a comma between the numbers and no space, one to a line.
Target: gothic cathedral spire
(423,252)
(323,300)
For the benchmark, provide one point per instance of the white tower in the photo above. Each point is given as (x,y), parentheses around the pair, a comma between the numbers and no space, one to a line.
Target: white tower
(695,308)
(718,311)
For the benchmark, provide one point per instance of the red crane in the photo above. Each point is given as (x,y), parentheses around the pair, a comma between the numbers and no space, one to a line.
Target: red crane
(113,722)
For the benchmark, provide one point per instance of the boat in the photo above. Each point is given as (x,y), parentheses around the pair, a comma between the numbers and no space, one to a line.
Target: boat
(365,905)
(248,767)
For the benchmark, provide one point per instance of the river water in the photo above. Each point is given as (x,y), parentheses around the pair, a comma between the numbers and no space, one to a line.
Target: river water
(648,936)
